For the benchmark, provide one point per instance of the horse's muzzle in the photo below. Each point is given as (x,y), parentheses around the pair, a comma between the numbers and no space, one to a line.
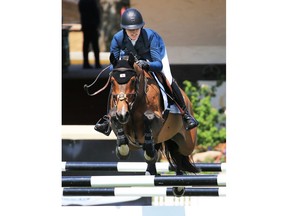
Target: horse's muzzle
(122,117)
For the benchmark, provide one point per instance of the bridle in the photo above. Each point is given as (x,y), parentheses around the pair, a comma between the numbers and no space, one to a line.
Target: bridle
(129,98)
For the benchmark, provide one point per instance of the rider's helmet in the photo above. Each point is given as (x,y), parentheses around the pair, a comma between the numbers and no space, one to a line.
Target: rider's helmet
(132,19)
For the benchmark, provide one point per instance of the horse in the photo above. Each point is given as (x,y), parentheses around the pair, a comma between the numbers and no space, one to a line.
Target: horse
(139,121)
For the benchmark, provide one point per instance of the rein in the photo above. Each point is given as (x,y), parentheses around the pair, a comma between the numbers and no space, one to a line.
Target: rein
(86,87)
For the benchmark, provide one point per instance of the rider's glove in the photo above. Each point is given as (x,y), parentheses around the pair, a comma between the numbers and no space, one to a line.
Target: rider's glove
(144,65)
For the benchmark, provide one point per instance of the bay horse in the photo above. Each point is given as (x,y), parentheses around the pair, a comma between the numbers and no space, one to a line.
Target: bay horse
(139,121)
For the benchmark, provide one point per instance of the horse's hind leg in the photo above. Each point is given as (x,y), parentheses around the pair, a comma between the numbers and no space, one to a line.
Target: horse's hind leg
(122,148)
(173,156)
(181,163)
(176,161)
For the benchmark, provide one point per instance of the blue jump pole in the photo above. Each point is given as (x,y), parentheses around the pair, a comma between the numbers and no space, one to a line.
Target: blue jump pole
(141,191)
(134,166)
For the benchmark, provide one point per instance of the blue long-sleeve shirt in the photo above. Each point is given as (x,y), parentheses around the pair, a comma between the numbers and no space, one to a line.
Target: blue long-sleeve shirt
(157,48)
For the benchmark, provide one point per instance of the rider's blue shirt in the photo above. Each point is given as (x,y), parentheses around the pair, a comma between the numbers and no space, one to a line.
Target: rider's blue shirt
(155,52)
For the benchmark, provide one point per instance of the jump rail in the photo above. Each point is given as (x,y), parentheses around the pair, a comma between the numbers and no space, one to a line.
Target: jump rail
(142,191)
(143,181)
(135,166)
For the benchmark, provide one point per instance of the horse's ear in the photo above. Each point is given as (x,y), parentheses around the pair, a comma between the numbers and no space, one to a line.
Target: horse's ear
(131,60)
(112,59)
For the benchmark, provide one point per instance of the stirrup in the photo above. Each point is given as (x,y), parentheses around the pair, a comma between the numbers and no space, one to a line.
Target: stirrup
(103,125)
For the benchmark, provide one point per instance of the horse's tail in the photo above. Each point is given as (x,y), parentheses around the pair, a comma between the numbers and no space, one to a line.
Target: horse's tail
(178,161)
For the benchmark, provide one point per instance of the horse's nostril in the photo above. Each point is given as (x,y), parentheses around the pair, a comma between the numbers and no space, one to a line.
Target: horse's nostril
(122,117)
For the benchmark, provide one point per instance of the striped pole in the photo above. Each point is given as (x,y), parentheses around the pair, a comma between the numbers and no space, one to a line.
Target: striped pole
(142,191)
(145,181)
(135,166)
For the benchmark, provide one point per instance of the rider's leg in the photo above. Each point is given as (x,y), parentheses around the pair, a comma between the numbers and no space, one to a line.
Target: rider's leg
(188,120)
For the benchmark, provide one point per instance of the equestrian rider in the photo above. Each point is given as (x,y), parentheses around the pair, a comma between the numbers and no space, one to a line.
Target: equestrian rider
(145,44)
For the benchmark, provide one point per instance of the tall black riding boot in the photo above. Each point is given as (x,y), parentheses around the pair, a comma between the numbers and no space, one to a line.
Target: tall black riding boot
(189,121)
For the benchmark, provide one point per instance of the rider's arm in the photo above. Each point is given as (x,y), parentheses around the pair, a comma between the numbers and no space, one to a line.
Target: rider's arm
(157,51)
(115,47)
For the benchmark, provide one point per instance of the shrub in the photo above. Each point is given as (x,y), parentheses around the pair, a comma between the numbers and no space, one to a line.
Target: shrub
(212,122)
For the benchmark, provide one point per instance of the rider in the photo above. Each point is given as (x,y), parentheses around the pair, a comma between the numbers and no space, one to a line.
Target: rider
(146,44)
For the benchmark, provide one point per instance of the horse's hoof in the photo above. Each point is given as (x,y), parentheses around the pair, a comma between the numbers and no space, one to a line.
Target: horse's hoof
(151,159)
(178,191)
(122,152)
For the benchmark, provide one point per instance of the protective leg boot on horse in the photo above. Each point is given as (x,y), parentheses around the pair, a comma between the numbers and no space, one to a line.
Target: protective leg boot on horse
(103,125)
(189,121)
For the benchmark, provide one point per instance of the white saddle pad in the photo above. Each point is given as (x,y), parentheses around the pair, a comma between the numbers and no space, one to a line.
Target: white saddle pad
(172,107)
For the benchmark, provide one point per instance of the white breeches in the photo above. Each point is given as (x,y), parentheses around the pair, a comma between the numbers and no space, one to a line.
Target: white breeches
(166,68)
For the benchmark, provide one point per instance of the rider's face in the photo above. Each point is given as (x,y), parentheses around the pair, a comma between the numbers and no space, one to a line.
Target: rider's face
(133,34)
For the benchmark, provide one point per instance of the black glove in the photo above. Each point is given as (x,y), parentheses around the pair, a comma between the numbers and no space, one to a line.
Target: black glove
(144,65)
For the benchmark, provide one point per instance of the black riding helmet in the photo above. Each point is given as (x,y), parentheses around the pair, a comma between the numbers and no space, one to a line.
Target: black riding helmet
(132,19)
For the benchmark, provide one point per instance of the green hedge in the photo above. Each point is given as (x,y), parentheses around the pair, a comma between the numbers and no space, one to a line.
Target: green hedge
(212,122)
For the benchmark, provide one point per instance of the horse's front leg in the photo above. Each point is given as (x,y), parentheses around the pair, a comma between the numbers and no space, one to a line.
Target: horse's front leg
(151,166)
(150,154)
(122,148)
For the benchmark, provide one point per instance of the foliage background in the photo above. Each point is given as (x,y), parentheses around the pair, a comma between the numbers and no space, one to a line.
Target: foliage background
(212,122)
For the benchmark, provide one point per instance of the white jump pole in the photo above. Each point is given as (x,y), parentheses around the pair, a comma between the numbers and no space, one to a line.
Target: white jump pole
(145,181)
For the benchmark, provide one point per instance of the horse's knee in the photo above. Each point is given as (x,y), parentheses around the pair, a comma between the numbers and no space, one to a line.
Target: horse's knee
(149,116)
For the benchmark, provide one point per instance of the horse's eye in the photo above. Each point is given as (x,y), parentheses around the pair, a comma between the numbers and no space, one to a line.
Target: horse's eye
(133,81)
(131,97)
(112,82)
(114,98)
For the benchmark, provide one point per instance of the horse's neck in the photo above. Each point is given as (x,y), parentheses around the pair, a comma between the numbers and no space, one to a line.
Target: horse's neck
(148,92)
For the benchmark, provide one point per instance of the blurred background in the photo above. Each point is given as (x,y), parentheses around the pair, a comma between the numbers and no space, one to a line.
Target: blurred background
(194,31)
